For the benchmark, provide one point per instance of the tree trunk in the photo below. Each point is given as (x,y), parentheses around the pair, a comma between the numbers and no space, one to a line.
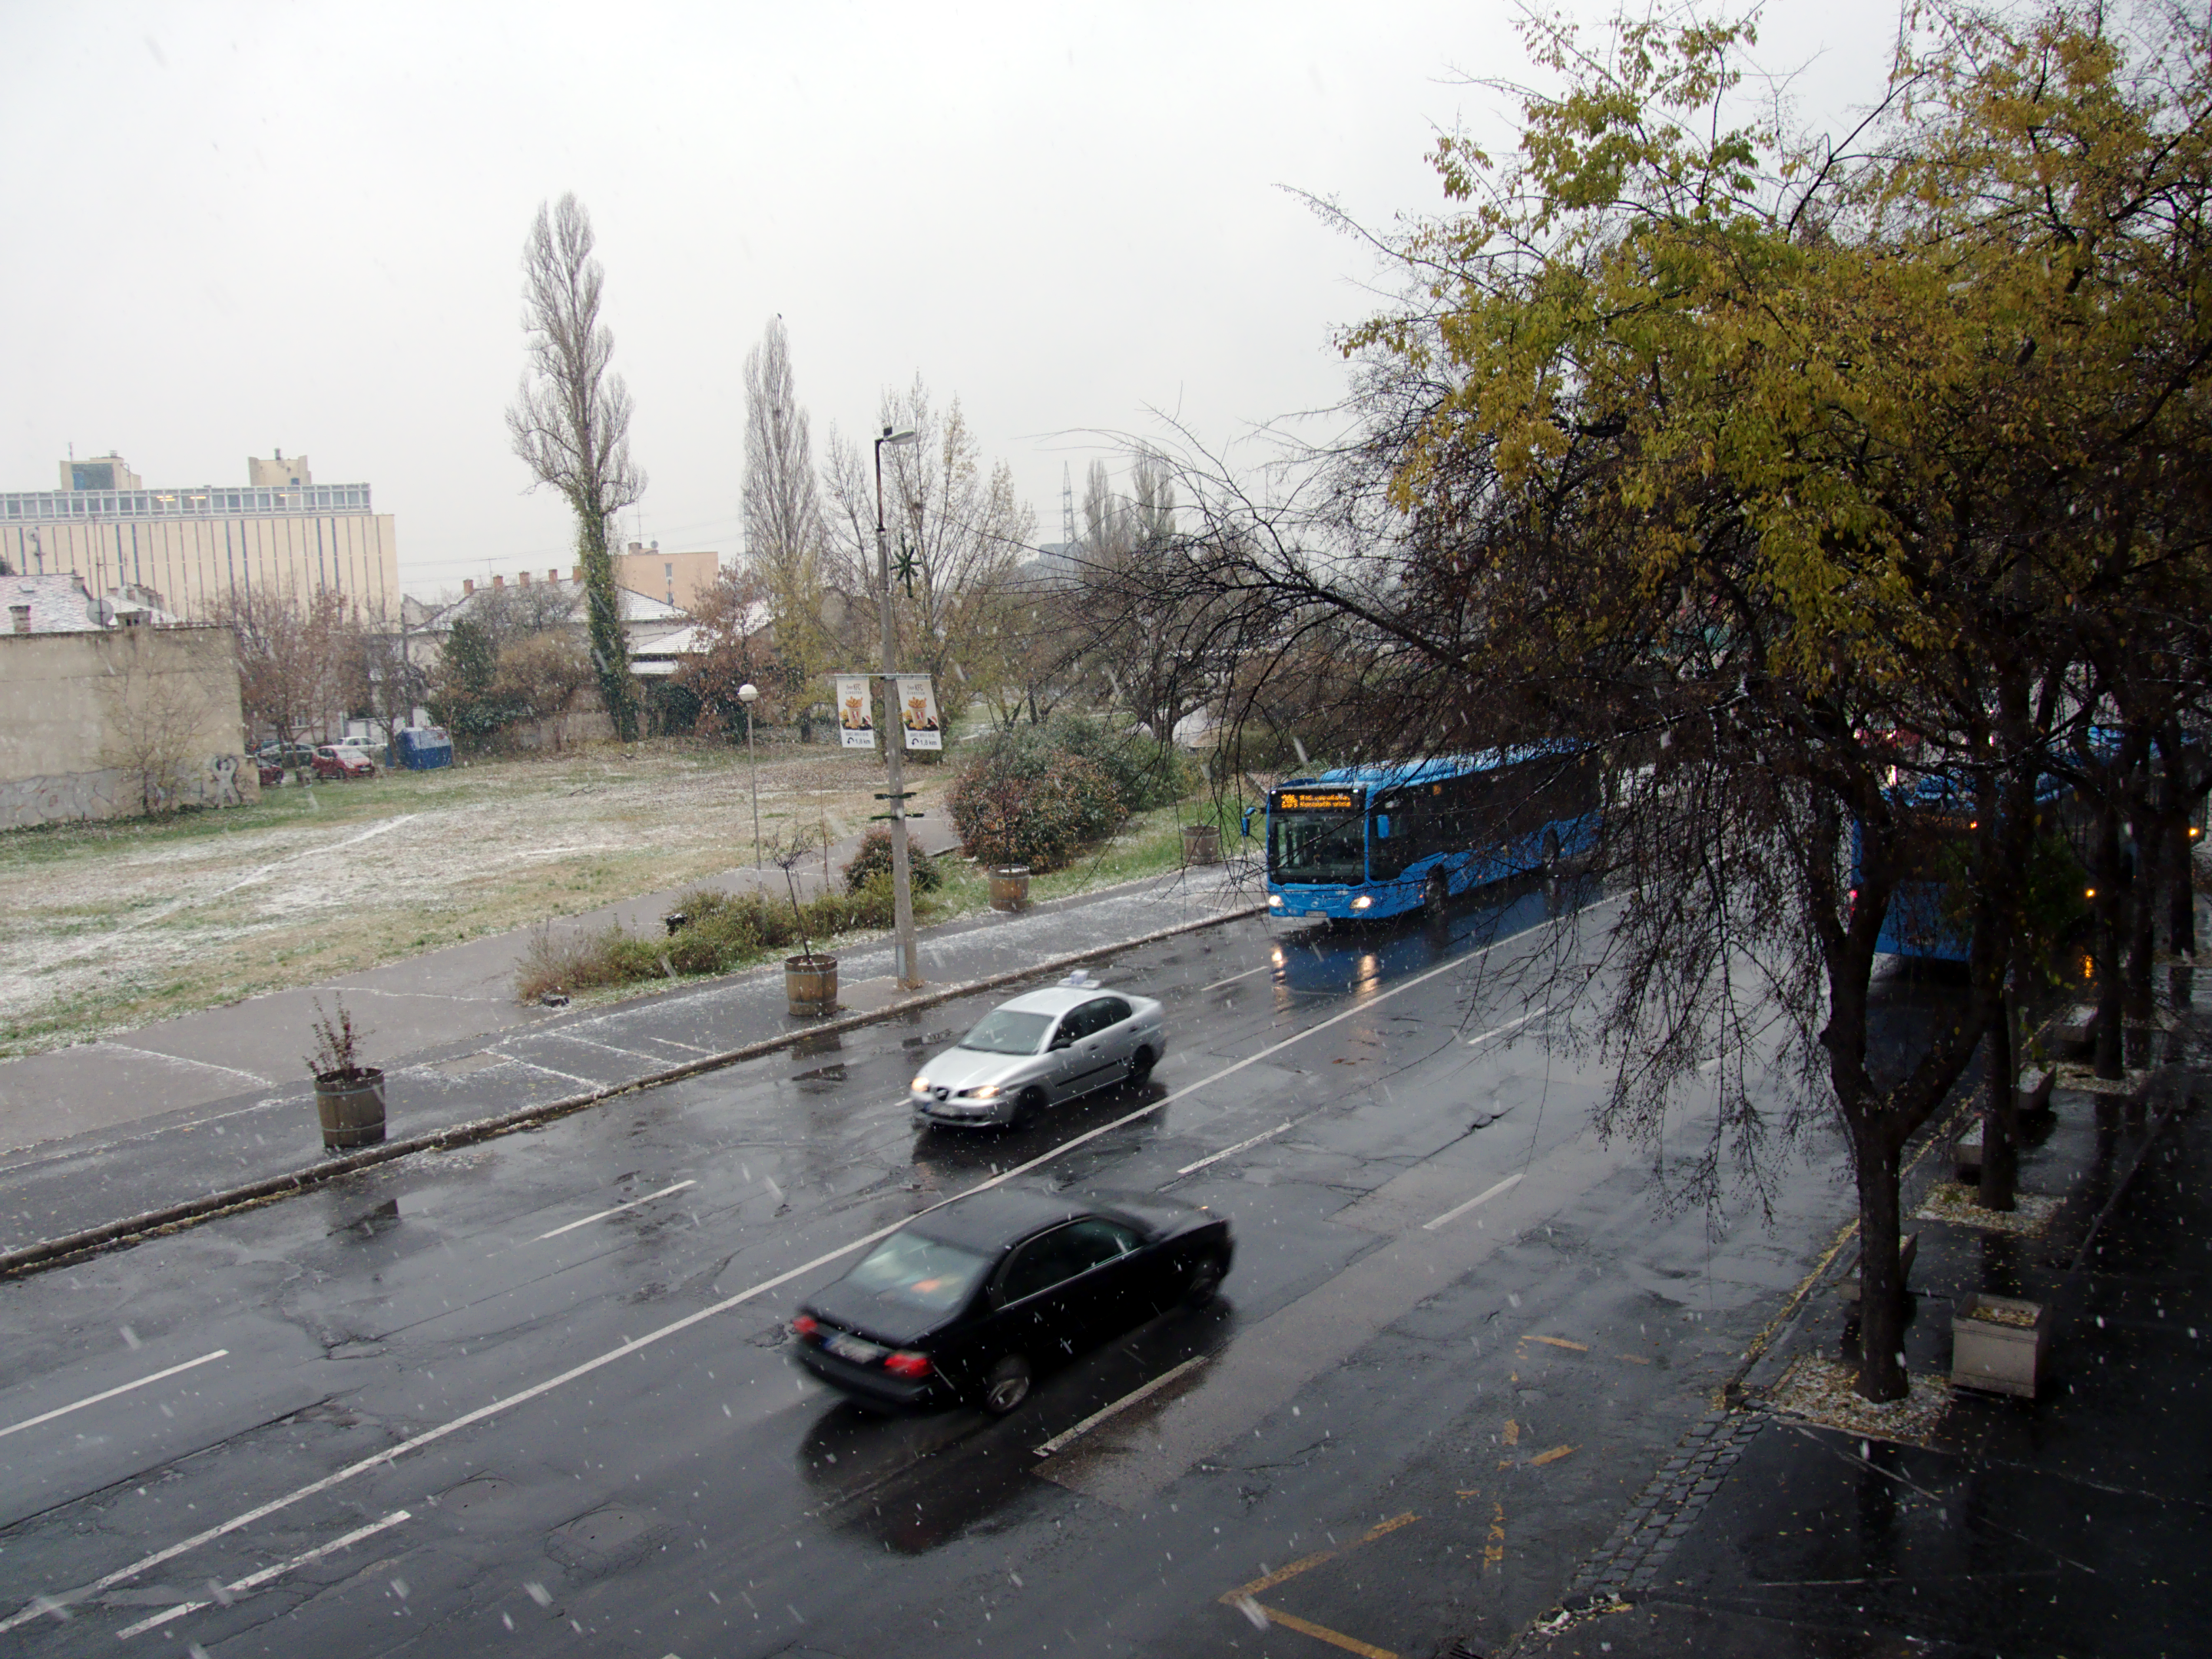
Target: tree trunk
(2136,998)
(2110,919)
(2000,1115)
(610,648)
(1881,1276)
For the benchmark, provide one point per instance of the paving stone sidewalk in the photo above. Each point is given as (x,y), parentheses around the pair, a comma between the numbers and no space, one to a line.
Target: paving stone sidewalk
(2075,1523)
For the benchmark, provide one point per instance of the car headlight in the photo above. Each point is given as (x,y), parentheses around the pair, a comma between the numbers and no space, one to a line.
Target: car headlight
(1362,901)
(1274,901)
(988,1091)
(920,1085)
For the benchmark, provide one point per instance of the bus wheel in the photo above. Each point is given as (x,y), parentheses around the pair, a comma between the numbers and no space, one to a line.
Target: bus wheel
(1436,893)
(1551,851)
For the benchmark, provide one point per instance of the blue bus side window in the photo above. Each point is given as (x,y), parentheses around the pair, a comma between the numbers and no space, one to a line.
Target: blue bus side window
(1383,826)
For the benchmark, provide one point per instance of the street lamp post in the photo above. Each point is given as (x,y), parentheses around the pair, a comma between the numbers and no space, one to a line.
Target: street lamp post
(747,694)
(909,969)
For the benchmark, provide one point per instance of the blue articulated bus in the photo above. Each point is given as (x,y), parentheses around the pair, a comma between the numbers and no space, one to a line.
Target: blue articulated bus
(1925,921)
(1363,842)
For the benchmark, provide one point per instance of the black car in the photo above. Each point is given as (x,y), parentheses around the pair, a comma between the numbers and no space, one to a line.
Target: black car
(971,1301)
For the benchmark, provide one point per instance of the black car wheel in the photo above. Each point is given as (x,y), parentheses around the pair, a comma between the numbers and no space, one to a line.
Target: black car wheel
(1007,1386)
(1436,893)
(1205,1280)
(1141,1066)
(1027,1105)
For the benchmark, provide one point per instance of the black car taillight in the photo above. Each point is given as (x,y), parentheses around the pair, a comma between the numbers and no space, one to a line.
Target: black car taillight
(908,1365)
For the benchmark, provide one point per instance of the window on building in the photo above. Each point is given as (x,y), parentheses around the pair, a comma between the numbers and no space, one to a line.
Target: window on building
(19,618)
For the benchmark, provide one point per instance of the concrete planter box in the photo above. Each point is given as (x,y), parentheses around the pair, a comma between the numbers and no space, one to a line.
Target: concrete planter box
(1999,1359)
(1010,887)
(2075,1030)
(1907,1248)
(2034,1090)
(1201,843)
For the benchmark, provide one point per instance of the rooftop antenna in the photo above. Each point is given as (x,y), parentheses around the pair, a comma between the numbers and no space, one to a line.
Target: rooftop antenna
(1066,510)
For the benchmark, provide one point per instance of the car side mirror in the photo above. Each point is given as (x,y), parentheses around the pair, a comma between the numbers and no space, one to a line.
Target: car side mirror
(1061,1040)
(1248,823)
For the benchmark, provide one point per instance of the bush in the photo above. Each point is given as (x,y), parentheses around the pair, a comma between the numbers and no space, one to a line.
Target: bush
(1015,804)
(874,859)
(1144,775)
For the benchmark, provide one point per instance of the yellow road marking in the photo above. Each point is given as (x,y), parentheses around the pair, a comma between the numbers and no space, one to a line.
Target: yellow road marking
(1470,1492)
(1512,1432)
(1494,1551)
(1559,1342)
(1268,1582)
(1323,1633)
(1633,1358)
(1551,1456)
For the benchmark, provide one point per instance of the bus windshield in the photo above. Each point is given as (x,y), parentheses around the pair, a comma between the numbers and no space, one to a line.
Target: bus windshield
(1316,848)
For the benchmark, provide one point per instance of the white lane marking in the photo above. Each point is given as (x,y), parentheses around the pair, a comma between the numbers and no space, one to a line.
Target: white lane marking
(618,1209)
(1264,967)
(594,1043)
(110,1394)
(186,1060)
(688,1047)
(676,1327)
(254,1580)
(1482,1197)
(1510,1025)
(1067,1436)
(1241,1146)
(565,1077)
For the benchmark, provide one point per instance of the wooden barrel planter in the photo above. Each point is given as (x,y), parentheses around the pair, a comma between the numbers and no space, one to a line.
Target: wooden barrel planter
(810,984)
(1201,843)
(352,1108)
(1010,887)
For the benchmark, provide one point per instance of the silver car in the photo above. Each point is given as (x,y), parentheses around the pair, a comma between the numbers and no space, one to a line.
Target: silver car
(1039,1049)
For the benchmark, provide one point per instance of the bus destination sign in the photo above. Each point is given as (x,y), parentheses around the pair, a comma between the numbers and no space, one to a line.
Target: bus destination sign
(1318,800)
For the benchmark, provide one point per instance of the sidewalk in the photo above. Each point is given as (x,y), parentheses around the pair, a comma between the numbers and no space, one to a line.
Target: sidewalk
(451,1058)
(2076,1524)
(463,993)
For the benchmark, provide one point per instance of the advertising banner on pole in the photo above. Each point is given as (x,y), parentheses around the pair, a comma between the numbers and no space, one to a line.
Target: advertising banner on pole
(917,698)
(856,719)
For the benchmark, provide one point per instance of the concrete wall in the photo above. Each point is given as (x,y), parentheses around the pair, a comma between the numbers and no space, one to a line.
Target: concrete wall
(90,718)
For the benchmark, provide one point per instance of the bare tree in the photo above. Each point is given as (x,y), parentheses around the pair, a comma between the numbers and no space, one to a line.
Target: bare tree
(539,676)
(957,537)
(570,425)
(152,721)
(290,657)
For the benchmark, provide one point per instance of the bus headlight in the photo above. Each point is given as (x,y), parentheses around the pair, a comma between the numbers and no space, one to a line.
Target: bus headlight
(1362,901)
(1274,901)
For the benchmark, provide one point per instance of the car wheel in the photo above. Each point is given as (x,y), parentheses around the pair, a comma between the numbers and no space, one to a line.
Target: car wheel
(1205,1280)
(1436,893)
(1027,1105)
(1141,1066)
(1007,1386)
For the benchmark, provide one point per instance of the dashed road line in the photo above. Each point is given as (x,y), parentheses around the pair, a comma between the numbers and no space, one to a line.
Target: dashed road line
(110,1394)
(253,1580)
(587,1220)
(1067,1436)
(1482,1197)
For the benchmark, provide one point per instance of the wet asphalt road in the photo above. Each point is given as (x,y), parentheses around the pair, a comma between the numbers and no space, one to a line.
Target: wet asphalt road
(532,1395)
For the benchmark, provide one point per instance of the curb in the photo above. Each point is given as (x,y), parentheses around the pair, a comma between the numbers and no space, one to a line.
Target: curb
(75,1247)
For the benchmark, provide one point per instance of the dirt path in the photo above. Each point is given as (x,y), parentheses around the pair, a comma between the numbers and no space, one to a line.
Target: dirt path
(104,927)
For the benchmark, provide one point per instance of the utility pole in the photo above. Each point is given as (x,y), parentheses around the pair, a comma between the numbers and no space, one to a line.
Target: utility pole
(894,730)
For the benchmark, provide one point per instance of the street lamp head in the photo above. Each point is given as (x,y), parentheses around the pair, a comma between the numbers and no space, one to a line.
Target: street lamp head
(905,436)
(747,692)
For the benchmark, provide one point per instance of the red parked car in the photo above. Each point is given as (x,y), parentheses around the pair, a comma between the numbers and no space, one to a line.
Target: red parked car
(337,761)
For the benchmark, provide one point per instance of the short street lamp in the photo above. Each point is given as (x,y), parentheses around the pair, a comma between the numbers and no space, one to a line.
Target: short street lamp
(909,965)
(748,694)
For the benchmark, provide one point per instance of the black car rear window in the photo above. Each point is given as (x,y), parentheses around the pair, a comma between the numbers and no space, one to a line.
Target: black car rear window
(1003,1032)
(919,1272)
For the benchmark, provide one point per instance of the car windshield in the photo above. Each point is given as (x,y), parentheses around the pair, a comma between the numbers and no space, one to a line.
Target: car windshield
(919,1272)
(1003,1032)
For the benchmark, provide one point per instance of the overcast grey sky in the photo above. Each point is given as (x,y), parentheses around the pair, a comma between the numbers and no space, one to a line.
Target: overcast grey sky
(240,228)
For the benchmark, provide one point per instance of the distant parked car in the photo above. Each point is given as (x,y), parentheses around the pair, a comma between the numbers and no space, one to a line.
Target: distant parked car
(337,761)
(285,757)
(271,774)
